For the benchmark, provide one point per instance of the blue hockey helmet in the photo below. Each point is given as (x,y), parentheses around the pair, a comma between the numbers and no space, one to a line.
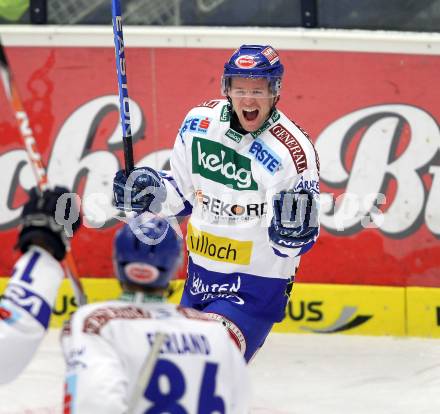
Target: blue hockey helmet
(254,61)
(147,255)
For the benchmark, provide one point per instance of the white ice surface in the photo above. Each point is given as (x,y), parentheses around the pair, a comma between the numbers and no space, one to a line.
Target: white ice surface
(295,374)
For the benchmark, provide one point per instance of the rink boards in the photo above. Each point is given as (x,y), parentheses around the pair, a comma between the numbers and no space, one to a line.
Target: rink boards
(313,308)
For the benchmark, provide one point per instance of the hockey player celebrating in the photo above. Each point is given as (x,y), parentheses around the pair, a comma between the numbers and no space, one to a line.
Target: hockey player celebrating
(30,295)
(115,360)
(249,178)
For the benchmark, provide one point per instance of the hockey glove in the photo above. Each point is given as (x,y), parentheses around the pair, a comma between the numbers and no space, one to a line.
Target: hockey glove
(295,220)
(143,190)
(39,224)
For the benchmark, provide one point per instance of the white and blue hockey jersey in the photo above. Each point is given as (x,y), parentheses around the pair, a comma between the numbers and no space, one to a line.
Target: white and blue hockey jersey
(26,308)
(198,369)
(228,181)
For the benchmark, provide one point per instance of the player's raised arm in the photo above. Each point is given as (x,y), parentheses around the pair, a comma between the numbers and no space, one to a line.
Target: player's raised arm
(30,294)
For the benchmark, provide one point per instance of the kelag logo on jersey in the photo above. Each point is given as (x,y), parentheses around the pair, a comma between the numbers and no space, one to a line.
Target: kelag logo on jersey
(234,135)
(221,164)
(198,124)
(265,156)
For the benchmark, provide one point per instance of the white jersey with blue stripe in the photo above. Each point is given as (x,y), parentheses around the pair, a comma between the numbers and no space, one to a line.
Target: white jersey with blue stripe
(25,309)
(198,370)
(229,179)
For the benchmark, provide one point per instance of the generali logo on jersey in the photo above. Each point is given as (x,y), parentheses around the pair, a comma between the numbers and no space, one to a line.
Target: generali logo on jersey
(209,104)
(289,141)
(221,164)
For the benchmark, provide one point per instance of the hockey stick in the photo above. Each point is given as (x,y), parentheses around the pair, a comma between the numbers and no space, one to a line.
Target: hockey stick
(147,370)
(124,107)
(35,161)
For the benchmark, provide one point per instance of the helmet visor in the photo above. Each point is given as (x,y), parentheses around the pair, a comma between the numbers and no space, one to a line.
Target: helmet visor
(271,90)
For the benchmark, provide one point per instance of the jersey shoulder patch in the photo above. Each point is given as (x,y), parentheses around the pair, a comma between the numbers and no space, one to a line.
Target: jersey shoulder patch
(196,124)
(191,313)
(306,134)
(209,104)
(98,318)
(288,139)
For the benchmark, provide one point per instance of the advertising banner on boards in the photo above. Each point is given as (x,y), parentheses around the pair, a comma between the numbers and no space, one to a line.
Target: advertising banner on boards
(372,116)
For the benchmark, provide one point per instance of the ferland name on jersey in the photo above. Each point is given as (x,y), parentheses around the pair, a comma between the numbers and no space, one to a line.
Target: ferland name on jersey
(182,343)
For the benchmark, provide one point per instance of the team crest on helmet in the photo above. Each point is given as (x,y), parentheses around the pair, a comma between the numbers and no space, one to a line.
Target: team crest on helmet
(245,62)
(141,273)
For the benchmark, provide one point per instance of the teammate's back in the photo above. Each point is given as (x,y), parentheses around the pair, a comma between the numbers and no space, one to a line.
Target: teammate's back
(198,370)
(110,347)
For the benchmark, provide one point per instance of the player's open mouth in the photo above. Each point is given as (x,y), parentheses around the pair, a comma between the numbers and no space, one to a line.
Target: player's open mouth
(250,114)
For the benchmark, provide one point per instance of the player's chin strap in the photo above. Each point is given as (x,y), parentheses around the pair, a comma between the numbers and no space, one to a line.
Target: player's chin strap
(233,330)
(275,101)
